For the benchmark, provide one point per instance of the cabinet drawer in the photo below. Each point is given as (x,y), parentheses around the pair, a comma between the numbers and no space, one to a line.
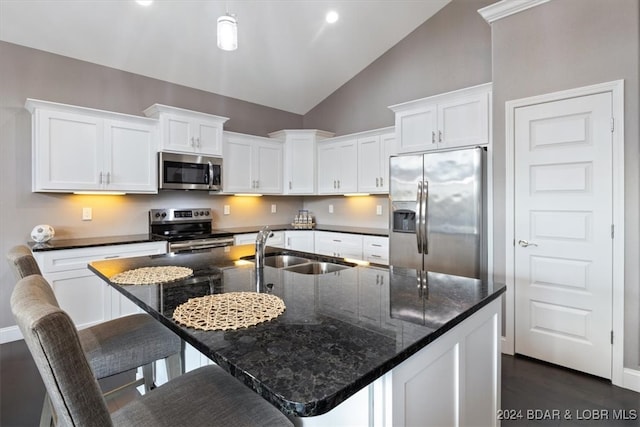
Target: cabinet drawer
(376,249)
(77,259)
(276,240)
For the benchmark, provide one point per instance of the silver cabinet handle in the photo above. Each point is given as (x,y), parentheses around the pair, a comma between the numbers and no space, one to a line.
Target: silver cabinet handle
(381,182)
(198,142)
(290,185)
(377,180)
(100,178)
(439,136)
(193,142)
(108,177)
(525,243)
(433,137)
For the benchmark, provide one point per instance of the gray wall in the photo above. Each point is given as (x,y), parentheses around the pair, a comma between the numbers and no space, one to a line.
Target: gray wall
(565,44)
(450,51)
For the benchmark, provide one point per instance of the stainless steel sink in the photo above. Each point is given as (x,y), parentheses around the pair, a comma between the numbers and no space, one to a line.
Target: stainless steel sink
(284,261)
(317,268)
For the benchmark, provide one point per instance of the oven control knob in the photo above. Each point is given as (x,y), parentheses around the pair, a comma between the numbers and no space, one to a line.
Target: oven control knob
(206,213)
(195,213)
(164,214)
(157,214)
(201,213)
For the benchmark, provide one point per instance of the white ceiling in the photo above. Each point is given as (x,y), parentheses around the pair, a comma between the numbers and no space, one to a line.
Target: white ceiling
(288,57)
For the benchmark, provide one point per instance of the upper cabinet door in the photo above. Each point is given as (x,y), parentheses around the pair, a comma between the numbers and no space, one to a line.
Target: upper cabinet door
(238,171)
(464,121)
(417,129)
(369,164)
(186,131)
(268,162)
(209,137)
(67,151)
(177,133)
(130,157)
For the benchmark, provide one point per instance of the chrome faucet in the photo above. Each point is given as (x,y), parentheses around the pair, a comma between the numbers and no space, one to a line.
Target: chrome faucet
(261,242)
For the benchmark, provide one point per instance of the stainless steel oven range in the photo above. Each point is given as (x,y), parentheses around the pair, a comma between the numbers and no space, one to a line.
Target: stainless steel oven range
(187,229)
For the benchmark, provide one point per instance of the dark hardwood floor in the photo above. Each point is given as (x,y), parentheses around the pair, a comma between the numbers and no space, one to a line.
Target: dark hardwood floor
(535,393)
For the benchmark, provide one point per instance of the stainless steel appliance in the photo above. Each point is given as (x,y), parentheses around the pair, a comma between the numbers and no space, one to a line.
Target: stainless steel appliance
(438,212)
(189,172)
(187,229)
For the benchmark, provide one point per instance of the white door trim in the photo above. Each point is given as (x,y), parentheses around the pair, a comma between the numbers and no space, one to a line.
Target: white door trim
(617,90)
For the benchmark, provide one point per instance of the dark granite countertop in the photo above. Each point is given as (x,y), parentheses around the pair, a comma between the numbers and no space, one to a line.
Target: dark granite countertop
(87,242)
(339,332)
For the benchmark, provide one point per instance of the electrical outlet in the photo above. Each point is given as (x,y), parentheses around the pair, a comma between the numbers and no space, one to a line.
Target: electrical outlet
(273,208)
(227,209)
(87,214)
(378,209)
(330,208)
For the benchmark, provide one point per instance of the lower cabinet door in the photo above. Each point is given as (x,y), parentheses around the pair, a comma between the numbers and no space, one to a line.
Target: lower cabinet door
(83,295)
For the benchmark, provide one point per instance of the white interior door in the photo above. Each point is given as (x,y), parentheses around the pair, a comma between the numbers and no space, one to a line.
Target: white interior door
(563,232)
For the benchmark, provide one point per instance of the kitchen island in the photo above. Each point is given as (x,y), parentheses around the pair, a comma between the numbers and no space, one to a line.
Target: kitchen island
(365,345)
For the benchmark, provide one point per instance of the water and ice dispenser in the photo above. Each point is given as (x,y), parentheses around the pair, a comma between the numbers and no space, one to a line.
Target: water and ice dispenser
(404,221)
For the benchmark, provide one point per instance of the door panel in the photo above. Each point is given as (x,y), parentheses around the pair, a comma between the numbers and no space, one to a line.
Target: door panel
(563,217)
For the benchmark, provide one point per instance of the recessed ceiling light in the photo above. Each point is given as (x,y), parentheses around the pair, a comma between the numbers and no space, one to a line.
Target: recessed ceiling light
(332,16)
(144,2)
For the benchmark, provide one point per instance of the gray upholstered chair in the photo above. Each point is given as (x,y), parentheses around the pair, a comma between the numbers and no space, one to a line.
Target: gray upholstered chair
(207,396)
(117,345)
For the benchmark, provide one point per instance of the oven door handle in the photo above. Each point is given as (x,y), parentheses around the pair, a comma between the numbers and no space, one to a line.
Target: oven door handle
(200,245)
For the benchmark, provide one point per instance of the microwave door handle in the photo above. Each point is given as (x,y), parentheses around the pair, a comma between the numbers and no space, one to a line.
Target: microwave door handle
(210,180)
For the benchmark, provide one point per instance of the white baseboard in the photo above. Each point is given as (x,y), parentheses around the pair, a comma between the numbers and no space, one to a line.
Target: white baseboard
(10,334)
(631,379)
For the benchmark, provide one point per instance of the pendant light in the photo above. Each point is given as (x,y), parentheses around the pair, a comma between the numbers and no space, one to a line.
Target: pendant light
(227,32)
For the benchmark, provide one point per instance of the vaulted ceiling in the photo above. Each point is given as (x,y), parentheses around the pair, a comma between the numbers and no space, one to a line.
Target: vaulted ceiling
(288,57)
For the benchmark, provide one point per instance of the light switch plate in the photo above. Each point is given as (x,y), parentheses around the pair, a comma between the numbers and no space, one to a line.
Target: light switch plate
(87,214)
(330,208)
(227,209)
(273,208)
(378,209)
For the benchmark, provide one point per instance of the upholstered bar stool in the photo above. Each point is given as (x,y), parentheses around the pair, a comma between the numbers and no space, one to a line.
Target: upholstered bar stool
(118,345)
(206,396)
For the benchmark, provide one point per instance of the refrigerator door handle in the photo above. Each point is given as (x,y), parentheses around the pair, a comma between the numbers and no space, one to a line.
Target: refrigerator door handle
(425,206)
(419,216)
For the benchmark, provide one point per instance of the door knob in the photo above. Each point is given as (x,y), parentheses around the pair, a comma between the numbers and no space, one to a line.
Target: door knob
(525,243)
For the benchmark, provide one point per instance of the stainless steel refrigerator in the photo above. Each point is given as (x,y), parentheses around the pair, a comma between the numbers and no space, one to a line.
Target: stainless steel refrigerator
(438,206)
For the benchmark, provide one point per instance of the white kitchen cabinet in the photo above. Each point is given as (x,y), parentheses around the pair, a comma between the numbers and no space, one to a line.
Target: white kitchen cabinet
(186,131)
(277,240)
(82,149)
(300,158)
(341,245)
(80,292)
(454,119)
(375,249)
(338,166)
(252,164)
(299,240)
(373,161)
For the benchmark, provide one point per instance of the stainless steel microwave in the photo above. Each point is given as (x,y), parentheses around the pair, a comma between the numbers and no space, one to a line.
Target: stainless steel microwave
(189,172)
